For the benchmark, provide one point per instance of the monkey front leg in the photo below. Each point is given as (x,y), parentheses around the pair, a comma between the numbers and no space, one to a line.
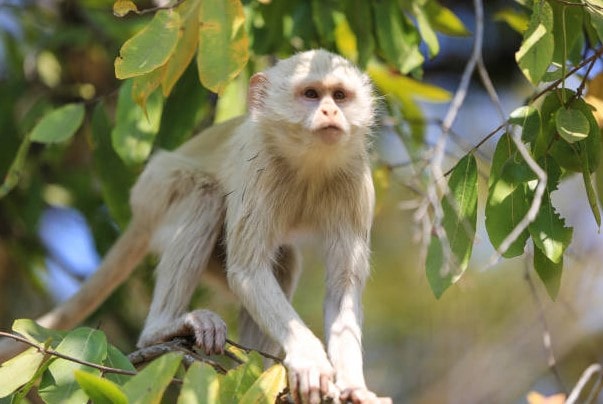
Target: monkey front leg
(347,270)
(309,370)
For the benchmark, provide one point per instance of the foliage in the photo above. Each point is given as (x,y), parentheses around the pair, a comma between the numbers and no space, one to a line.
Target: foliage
(79,365)
(182,65)
(554,135)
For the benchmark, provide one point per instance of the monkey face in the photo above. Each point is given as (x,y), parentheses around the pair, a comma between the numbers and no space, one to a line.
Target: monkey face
(314,109)
(322,104)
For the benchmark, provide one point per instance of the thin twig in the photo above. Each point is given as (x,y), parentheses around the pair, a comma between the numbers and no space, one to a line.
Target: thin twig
(46,351)
(435,166)
(182,345)
(593,369)
(546,334)
(489,86)
(532,212)
(556,83)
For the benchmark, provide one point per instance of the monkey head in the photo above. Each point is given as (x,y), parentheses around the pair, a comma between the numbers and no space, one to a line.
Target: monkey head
(316,100)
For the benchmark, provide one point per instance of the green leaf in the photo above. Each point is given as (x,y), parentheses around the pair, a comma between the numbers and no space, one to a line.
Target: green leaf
(201,385)
(134,132)
(11,179)
(147,387)
(596,21)
(58,384)
(548,229)
(151,47)
(324,21)
(590,192)
(439,273)
(268,36)
(187,103)
(229,104)
(99,390)
(19,370)
(223,43)
(117,360)
(564,153)
(571,125)
(536,51)
(358,14)
(237,381)
(114,176)
(549,272)
(427,32)
(459,219)
(599,181)
(460,209)
(36,333)
(505,147)
(267,387)
(569,44)
(59,124)
(528,118)
(397,37)
(509,196)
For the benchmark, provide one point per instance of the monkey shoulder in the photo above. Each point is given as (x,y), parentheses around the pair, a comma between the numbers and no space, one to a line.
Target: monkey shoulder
(213,140)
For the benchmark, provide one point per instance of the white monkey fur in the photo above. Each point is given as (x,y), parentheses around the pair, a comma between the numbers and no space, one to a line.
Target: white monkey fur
(297,164)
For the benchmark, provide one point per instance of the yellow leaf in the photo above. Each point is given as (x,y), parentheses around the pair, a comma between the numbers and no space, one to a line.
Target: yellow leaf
(594,97)
(517,20)
(223,43)
(143,86)
(186,47)
(537,398)
(345,38)
(403,87)
(123,7)
(267,387)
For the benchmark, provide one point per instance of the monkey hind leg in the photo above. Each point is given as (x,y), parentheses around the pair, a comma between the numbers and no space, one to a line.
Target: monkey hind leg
(286,269)
(185,238)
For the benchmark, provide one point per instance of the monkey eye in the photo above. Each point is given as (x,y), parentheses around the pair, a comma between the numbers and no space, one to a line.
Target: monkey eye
(339,95)
(311,93)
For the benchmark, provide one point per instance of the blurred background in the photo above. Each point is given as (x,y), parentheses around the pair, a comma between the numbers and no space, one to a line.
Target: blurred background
(490,338)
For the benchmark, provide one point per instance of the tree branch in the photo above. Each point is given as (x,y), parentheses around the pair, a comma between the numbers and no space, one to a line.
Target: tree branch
(47,351)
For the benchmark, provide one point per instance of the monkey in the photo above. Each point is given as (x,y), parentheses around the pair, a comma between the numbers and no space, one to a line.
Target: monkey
(235,201)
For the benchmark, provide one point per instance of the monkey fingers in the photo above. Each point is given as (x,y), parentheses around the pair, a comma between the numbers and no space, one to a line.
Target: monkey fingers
(310,378)
(209,330)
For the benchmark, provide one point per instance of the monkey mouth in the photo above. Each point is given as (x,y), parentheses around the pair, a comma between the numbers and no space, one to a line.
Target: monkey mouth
(330,134)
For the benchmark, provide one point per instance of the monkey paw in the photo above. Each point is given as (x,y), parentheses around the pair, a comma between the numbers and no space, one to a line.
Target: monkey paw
(208,329)
(310,376)
(362,396)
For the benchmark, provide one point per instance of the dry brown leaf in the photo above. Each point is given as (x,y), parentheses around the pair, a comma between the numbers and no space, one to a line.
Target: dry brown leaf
(537,398)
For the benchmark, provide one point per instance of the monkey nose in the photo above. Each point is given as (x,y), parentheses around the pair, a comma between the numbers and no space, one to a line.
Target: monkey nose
(329,112)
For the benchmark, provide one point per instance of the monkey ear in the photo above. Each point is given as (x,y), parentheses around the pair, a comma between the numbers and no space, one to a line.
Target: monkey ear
(258,88)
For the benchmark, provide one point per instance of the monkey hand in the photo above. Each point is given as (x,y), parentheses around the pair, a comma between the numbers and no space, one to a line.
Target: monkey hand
(310,375)
(207,328)
(361,395)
